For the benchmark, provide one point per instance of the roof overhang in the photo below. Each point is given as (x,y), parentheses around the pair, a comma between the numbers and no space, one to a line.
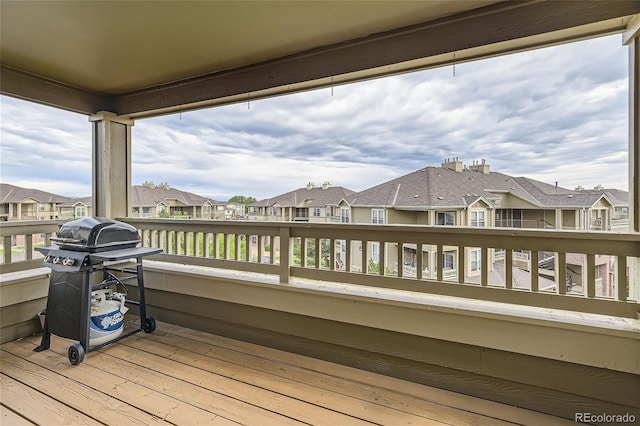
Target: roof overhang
(142,59)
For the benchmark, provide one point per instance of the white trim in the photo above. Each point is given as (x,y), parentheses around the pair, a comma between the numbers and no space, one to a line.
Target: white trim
(633,30)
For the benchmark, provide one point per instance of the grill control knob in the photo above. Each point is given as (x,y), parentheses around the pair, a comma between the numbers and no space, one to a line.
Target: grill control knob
(48,258)
(57,260)
(68,261)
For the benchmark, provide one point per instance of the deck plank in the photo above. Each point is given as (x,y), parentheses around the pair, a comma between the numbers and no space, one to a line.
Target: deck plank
(182,376)
(203,407)
(11,418)
(408,392)
(97,405)
(200,376)
(30,406)
(358,399)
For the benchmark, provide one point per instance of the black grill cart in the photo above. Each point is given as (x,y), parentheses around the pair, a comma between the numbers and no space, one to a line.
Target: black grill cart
(82,264)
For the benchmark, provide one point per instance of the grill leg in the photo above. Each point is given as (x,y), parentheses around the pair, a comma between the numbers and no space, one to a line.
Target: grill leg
(45,343)
(143,306)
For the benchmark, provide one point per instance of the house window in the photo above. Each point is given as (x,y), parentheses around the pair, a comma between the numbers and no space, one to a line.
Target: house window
(447,261)
(80,212)
(445,218)
(475,256)
(344,215)
(41,207)
(377,216)
(477,218)
(316,212)
(146,210)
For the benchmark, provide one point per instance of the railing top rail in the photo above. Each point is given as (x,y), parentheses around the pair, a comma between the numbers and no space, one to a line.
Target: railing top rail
(25,227)
(592,242)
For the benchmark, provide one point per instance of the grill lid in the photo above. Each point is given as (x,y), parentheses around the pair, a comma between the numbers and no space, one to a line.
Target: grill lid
(96,234)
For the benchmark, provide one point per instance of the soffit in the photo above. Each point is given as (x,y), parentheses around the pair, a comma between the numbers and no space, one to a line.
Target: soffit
(142,58)
(116,47)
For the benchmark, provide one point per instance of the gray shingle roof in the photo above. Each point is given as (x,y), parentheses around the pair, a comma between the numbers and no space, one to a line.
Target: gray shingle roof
(15,194)
(313,197)
(145,196)
(438,187)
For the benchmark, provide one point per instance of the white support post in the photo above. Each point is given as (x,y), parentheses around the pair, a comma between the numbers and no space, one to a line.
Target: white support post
(111,165)
(558,219)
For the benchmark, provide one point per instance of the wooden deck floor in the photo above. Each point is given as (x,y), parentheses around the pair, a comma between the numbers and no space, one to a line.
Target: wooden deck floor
(180,376)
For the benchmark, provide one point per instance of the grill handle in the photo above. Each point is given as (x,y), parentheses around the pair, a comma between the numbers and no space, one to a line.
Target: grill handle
(65,240)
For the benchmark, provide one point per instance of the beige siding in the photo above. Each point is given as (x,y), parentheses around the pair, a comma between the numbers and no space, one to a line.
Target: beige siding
(402,217)
(361,215)
(508,201)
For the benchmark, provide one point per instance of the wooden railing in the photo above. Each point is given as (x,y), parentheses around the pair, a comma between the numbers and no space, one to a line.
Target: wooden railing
(19,239)
(345,254)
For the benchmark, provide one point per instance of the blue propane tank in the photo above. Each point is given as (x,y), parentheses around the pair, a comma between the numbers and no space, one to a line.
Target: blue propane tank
(107,316)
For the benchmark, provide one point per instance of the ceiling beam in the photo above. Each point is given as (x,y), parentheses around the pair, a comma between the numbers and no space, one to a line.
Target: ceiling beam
(490,26)
(34,88)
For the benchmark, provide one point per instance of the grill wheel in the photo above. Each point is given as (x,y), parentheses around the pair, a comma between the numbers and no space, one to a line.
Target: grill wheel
(75,354)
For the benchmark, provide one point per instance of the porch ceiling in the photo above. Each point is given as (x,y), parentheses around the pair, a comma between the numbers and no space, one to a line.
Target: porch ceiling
(148,58)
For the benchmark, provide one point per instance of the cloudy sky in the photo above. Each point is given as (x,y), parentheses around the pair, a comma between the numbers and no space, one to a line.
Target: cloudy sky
(556,114)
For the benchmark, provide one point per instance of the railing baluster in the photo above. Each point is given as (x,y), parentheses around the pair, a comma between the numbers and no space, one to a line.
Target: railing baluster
(400,260)
(590,278)
(461,264)
(484,254)
(508,268)
(347,256)
(6,246)
(206,243)
(28,249)
(304,252)
(272,252)
(440,262)
(318,253)
(286,254)
(561,273)
(419,261)
(533,269)
(260,248)
(622,278)
(196,244)
(332,254)
(226,246)
(381,258)
(365,248)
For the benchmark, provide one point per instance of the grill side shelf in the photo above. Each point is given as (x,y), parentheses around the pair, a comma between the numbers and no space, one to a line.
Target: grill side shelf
(124,254)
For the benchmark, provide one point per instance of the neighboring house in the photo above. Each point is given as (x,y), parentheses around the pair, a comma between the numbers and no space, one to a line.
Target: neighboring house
(455,195)
(313,203)
(152,201)
(226,210)
(17,203)
(76,208)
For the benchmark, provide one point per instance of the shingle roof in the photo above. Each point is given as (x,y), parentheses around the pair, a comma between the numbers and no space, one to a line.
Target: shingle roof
(87,201)
(15,194)
(438,187)
(146,196)
(312,197)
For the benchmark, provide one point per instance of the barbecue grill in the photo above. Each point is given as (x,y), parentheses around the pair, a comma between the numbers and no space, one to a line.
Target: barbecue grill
(83,268)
